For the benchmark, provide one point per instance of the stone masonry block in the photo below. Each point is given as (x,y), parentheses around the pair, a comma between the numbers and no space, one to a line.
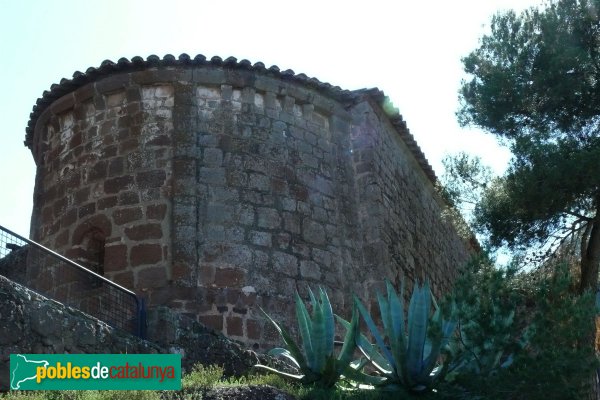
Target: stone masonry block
(259,238)
(206,274)
(151,277)
(212,321)
(268,218)
(181,272)
(285,263)
(253,329)
(237,254)
(144,231)
(156,211)
(124,279)
(115,257)
(145,254)
(150,179)
(128,198)
(230,277)
(313,232)
(212,176)
(126,215)
(98,171)
(259,182)
(235,326)
(310,270)
(213,157)
(114,185)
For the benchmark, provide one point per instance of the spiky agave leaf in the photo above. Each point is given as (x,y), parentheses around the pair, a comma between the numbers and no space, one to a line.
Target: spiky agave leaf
(374,331)
(319,338)
(329,322)
(305,328)
(370,351)
(344,364)
(281,373)
(412,359)
(280,351)
(345,356)
(418,315)
(396,332)
(443,330)
(289,342)
(294,353)
(318,363)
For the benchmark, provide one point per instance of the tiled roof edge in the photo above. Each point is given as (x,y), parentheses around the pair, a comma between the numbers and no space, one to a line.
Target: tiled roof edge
(399,125)
(137,63)
(108,67)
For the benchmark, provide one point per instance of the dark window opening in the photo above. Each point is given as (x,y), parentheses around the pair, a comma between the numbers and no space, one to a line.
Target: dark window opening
(91,253)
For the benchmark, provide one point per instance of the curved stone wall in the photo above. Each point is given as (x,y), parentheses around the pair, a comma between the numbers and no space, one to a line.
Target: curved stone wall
(216,186)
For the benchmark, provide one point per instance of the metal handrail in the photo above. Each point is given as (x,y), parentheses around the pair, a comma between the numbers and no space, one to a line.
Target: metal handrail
(138,302)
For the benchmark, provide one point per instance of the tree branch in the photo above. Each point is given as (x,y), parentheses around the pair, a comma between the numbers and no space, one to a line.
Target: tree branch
(578,216)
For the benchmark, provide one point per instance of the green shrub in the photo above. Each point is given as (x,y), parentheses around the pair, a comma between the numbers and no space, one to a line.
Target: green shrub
(559,361)
(486,303)
(523,335)
(201,376)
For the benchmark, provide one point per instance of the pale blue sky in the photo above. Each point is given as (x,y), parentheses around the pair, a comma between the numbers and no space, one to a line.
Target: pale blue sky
(409,49)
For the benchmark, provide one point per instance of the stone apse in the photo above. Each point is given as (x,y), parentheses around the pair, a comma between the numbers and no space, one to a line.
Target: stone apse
(217,186)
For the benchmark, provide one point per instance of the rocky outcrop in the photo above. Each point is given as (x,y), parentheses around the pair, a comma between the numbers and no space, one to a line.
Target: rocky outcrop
(250,392)
(14,265)
(32,323)
(200,344)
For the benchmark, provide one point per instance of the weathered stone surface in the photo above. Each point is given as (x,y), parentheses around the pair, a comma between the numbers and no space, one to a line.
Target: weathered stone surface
(32,323)
(250,392)
(145,254)
(223,178)
(144,231)
(199,344)
(14,265)
(284,263)
(313,232)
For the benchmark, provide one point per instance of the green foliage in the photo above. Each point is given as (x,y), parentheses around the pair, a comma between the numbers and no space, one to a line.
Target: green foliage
(527,334)
(543,192)
(486,300)
(410,362)
(536,72)
(559,362)
(462,185)
(23,396)
(83,395)
(533,82)
(316,361)
(464,179)
(202,377)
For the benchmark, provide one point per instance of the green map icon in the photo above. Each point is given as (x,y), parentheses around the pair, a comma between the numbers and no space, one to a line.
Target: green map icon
(23,369)
(95,371)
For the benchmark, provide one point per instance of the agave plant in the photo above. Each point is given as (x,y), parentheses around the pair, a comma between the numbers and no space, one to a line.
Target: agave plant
(316,360)
(410,361)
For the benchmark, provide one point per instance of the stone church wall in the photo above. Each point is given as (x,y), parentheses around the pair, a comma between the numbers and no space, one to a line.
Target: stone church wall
(214,187)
